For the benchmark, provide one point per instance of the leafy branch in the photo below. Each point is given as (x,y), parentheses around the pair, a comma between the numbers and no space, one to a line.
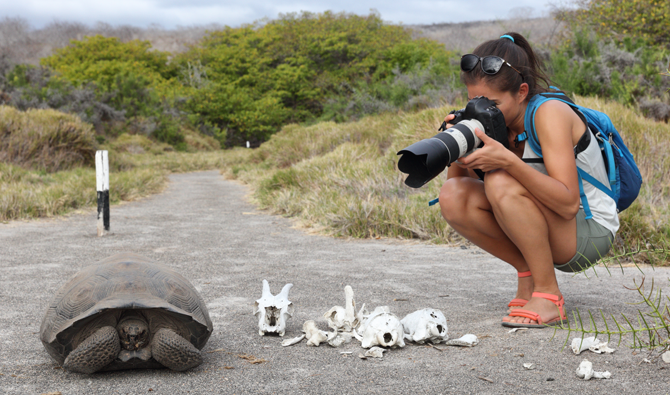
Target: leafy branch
(650,328)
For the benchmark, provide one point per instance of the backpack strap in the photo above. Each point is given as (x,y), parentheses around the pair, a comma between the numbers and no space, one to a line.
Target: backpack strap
(531,134)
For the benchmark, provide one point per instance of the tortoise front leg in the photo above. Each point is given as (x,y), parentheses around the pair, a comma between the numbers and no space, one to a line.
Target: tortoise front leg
(173,351)
(94,353)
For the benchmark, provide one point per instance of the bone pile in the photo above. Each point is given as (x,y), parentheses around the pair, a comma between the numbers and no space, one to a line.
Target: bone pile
(380,328)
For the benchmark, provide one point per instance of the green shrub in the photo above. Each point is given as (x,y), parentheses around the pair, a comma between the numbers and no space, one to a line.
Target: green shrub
(45,140)
(628,71)
(647,19)
(300,68)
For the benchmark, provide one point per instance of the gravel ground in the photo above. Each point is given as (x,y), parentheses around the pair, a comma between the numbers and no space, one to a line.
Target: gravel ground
(203,227)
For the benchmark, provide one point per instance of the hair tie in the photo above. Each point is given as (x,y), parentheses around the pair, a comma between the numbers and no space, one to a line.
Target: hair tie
(507,36)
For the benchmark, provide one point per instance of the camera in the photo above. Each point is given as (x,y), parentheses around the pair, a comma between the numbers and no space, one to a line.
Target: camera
(424,160)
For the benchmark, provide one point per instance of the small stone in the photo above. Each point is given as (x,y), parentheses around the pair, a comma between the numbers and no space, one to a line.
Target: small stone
(666,357)
(550,379)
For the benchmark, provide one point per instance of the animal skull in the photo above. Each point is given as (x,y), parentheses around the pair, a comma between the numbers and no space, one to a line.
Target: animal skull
(425,325)
(380,328)
(345,319)
(273,311)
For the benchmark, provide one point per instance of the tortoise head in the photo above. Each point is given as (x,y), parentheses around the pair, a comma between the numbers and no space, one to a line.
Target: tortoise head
(133,333)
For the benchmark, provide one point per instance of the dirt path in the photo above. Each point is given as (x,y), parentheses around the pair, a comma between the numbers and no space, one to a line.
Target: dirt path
(203,228)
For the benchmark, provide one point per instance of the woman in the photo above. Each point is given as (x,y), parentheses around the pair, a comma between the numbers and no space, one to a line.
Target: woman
(529,214)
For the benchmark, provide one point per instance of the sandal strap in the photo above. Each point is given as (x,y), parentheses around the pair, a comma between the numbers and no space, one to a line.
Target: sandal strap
(527,314)
(558,301)
(524,274)
(517,303)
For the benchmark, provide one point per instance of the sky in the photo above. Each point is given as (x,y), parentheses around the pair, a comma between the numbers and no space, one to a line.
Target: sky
(173,13)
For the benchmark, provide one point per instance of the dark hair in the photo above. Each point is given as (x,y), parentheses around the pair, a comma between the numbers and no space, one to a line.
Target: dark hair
(521,56)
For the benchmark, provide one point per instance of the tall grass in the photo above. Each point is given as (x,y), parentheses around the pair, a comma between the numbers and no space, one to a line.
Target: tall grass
(45,139)
(343,180)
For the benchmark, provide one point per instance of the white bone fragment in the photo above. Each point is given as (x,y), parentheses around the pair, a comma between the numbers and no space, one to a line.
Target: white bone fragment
(590,343)
(600,348)
(468,340)
(273,311)
(337,339)
(375,352)
(578,344)
(666,357)
(290,342)
(345,318)
(314,335)
(585,371)
(516,330)
(529,366)
(425,325)
(380,328)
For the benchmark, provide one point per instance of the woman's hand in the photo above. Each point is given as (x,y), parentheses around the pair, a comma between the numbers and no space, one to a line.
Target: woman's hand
(448,118)
(491,156)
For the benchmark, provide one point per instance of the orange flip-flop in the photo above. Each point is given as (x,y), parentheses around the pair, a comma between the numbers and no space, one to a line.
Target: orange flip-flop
(559,302)
(518,302)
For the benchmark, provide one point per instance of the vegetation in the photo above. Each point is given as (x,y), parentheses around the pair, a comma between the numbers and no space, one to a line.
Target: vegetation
(46,140)
(646,19)
(311,67)
(305,74)
(342,177)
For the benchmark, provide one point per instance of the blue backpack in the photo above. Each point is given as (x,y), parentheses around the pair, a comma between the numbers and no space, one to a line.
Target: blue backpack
(624,176)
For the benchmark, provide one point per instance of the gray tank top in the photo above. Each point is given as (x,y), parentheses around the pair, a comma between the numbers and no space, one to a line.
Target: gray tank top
(603,207)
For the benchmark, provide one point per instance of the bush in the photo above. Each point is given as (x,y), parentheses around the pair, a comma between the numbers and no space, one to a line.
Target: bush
(45,140)
(646,19)
(628,71)
(304,67)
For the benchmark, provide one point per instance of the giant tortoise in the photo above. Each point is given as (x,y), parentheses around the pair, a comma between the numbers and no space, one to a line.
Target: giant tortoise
(126,312)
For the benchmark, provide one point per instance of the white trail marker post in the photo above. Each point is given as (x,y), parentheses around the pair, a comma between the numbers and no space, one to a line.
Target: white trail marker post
(102,186)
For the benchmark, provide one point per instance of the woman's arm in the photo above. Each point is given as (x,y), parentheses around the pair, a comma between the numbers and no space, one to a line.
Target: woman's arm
(554,123)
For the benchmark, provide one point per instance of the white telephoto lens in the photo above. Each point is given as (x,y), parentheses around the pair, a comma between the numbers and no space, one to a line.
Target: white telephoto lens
(460,135)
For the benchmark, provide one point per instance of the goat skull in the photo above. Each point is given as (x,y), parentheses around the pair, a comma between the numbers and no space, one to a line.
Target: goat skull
(380,328)
(273,311)
(425,325)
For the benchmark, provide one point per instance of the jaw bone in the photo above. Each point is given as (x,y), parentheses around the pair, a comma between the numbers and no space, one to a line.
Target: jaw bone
(273,311)
(381,328)
(345,319)
(425,325)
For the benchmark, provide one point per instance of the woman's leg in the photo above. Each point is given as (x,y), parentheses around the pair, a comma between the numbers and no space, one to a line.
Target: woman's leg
(468,211)
(542,237)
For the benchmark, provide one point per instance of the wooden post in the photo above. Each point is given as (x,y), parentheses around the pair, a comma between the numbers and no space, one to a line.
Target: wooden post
(102,186)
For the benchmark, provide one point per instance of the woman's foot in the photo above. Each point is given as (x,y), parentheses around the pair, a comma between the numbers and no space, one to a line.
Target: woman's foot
(546,307)
(523,292)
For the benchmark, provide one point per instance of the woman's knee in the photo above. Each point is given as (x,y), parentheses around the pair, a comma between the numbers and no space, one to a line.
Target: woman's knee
(500,185)
(455,195)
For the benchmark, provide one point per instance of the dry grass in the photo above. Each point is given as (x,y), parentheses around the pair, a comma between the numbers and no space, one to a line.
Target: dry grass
(45,140)
(343,180)
(33,194)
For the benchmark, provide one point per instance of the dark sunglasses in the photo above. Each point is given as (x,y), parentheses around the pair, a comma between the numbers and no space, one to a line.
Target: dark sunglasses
(490,64)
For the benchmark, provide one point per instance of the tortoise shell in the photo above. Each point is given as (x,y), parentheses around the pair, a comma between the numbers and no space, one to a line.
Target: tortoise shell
(122,282)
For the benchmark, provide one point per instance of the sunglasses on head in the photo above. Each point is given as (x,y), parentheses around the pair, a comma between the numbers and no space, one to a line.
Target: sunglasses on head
(491,65)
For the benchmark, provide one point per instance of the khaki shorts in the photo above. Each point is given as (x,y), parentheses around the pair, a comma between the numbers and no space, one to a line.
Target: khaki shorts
(593,242)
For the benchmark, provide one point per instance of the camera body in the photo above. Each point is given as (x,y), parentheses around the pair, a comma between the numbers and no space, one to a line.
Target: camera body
(485,111)
(424,160)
